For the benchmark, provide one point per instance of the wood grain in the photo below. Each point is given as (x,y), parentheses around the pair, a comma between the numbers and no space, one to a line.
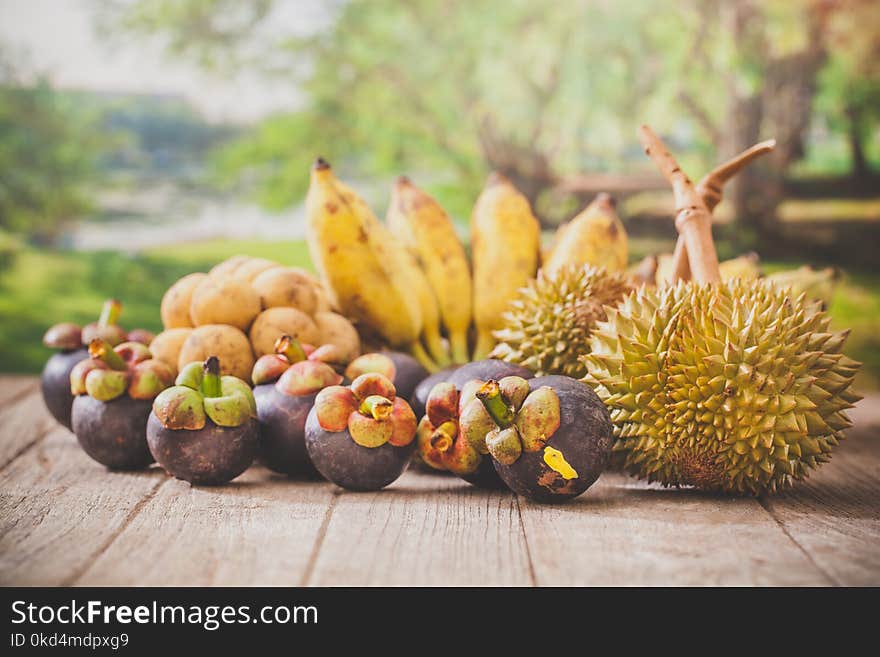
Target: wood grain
(66,520)
(423,530)
(13,386)
(625,532)
(835,515)
(258,530)
(23,424)
(59,510)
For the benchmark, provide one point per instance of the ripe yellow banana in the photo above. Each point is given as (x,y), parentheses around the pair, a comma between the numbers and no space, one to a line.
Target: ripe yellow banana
(744,267)
(596,236)
(505,243)
(349,248)
(428,232)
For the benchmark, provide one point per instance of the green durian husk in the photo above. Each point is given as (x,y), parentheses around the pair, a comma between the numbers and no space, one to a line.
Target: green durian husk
(737,387)
(548,325)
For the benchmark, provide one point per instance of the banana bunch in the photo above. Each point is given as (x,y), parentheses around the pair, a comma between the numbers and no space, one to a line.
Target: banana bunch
(429,235)
(596,237)
(505,245)
(363,265)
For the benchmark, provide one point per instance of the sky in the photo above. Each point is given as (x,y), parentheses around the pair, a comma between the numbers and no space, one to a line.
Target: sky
(58,38)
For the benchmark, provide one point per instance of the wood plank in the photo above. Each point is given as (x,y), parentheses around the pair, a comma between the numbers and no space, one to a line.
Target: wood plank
(13,386)
(623,532)
(259,530)
(835,515)
(423,530)
(23,423)
(59,509)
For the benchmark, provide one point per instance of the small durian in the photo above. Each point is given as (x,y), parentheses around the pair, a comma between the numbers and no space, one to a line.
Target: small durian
(547,326)
(735,387)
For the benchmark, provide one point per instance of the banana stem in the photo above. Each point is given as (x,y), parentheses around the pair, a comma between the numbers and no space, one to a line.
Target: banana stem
(692,218)
(211,386)
(110,312)
(499,410)
(458,343)
(290,348)
(711,189)
(422,356)
(102,351)
(434,343)
(485,344)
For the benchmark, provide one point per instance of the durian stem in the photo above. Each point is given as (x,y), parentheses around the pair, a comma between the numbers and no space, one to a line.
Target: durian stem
(458,344)
(102,351)
(693,219)
(290,348)
(211,385)
(444,436)
(499,410)
(711,189)
(376,407)
(418,351)
(110,312)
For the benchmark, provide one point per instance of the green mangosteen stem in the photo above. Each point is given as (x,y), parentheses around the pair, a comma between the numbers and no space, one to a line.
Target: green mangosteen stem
(377,407)
(211,380)
(110,313)
(290,348)
(102,351)
(498,409)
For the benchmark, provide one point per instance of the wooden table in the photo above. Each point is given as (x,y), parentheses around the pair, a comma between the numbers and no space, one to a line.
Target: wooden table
(66,520)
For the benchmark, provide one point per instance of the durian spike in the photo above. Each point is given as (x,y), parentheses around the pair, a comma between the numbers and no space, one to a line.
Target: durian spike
(692,218)
(711,188)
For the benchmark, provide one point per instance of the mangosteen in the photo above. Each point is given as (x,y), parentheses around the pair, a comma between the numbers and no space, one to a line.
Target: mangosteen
(204,429)
(549,438)
(55,380)
(114,389)
(360,437)
(420,394)
(404,371)
(442,441)
(72,342)
(489,368)
(285,386)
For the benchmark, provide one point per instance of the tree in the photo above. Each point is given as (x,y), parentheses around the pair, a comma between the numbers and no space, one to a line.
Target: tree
(47,158)
(447,89)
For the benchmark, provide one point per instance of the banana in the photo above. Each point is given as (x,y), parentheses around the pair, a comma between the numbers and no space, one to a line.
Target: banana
(429,234)
(596,236)
(505,243)
(744,267)
(350,249)
(817,284)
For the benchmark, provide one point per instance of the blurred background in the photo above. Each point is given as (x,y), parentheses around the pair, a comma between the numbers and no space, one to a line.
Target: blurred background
(144,139)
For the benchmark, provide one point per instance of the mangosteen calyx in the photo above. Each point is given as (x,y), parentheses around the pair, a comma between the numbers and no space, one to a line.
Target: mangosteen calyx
(369,410)
(107,327)
(68,336)
(64,337)
(522,421)
(442,443)
(199,394)
(111,372)
(294,369)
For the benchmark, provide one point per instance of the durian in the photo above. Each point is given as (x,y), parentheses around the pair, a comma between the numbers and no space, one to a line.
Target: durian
(735,387)
(548,324)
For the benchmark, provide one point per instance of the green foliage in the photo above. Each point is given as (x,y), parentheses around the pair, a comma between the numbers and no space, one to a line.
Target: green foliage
(46,287)
(48,155)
